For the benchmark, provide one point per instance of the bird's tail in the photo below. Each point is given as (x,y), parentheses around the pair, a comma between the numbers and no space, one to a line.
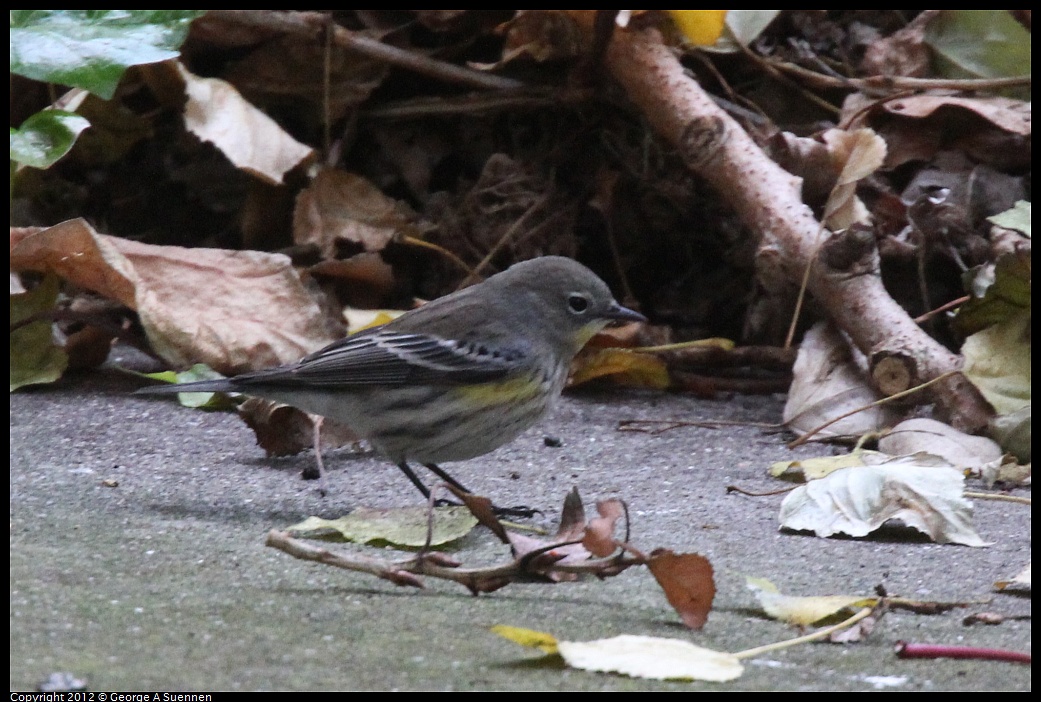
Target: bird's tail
(218,385)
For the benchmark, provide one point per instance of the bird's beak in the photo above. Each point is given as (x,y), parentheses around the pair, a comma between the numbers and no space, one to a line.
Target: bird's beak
(623,314)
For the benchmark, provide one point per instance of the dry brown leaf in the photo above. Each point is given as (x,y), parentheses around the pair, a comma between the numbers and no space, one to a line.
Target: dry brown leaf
(343,208)
(993,131)
(235,311)
(572,528)
(483,510)
(301,69)
(541,34)
(363,281)
(686,579)
(282,430)
(1005,113)
(902,53)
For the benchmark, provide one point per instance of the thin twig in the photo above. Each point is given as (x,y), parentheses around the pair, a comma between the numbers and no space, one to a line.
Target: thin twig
(904,393)
(997,498)
(413,241)
(769,493)
(889,83)
(310,23)
(906,649)
(942,308)
(479,103)
(815,636)
(504,239)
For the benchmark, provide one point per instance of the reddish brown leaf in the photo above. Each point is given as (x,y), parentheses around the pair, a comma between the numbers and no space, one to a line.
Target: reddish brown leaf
(481,507)
(599,536)
(687,581)
(572,518)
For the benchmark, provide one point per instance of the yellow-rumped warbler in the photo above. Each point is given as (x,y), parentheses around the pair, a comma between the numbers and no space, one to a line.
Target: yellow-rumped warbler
(455,378)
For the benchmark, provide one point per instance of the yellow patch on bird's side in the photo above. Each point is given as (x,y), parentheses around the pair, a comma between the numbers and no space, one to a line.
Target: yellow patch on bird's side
(513,390)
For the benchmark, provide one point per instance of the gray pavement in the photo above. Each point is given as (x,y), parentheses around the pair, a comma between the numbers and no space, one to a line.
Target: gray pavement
(163,583)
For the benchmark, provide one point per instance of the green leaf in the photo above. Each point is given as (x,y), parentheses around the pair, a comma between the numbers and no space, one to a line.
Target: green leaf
(997,296)
(1017,218)
(403,527)
(979,44)
(91,49)
(35,357)
(1012,432)
(46,137)
(197,400)
(997,361)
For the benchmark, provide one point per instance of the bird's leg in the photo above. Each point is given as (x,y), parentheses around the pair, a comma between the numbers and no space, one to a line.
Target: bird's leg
(415,480)
(520,511)
(439,472)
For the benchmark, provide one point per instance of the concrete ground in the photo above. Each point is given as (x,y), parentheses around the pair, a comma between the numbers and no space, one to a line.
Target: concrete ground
(163,582)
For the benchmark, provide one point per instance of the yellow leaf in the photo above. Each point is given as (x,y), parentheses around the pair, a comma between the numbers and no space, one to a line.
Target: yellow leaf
(802,611)
(821,466)
(699,27)
(547,643)
(630,368)
(360,320)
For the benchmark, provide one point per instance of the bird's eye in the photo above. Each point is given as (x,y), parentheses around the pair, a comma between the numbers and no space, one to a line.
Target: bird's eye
(577,303)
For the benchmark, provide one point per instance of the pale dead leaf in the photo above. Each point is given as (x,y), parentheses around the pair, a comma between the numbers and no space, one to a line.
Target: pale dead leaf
(235,311)
(802,611)
(829,378)
(856,633)
(857,501)
(860,152)
(1021,581)
(1012,432)
(930,436)
(1005,470)
(217,113)
(652,658)
(1008,114)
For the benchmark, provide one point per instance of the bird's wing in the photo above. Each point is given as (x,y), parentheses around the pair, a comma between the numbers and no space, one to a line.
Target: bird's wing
(395,358)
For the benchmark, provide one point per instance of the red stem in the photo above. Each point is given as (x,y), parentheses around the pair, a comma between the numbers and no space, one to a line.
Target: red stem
(920,650)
